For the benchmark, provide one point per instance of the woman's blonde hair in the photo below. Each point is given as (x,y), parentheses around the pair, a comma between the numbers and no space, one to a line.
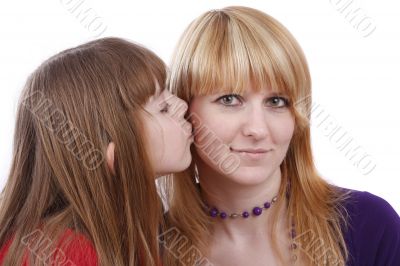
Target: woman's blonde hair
(72,107)
(226,50)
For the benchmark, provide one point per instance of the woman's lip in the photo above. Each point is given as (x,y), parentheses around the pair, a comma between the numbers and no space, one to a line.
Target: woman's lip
(251,155)
(253,151)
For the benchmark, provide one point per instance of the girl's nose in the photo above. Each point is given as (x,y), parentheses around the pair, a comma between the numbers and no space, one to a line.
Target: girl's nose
(179,108)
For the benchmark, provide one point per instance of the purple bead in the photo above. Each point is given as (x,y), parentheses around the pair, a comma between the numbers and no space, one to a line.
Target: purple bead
(223,215)
(267,205)
(245,214)
(293,233)
(257,211)
(213,212)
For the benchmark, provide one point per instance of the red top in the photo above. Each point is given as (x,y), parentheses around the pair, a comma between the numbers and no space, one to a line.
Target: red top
(78,252)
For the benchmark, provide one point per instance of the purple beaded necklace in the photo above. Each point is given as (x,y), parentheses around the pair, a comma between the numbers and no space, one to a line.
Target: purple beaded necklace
(256,211)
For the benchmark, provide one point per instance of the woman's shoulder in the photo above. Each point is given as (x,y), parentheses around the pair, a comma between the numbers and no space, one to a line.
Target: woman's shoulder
(373,233)
(363,205)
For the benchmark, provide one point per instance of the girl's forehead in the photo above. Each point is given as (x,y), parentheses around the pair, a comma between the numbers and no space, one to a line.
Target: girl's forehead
(158,89)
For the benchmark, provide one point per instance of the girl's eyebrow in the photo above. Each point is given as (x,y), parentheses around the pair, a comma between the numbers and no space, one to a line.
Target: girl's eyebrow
(158,91)
(156,99)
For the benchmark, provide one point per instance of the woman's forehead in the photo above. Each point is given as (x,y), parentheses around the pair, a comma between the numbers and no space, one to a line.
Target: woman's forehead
(245,90)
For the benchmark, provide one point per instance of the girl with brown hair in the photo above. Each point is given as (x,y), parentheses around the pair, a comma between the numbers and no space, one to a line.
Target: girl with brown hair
(93,130)
(252,195)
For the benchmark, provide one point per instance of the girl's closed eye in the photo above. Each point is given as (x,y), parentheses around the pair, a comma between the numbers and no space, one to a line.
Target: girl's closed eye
(165,108)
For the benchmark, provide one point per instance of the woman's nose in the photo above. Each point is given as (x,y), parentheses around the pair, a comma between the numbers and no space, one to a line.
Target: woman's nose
(255,123)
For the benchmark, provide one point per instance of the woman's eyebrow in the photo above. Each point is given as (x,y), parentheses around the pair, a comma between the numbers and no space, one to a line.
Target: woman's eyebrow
(277,93)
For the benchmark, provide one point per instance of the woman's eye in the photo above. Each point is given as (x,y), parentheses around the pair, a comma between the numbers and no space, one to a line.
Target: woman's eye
(165,108)
(278,102)
(229,100)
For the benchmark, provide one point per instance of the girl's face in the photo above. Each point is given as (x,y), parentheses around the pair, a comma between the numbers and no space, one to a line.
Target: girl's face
(254,128)
(169,135)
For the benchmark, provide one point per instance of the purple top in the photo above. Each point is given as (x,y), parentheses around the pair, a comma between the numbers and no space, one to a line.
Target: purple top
(373,237)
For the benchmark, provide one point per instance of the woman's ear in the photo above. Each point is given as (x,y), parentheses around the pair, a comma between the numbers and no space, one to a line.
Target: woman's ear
(110,153)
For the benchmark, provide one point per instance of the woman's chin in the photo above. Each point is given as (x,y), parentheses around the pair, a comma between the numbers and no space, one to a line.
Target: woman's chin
(248,178)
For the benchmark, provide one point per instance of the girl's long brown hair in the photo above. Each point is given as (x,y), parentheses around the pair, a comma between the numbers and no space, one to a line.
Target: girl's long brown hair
(71,108)
(227,49)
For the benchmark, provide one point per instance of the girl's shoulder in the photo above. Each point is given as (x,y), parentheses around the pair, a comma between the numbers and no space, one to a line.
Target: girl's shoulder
(77,249)
(72,249)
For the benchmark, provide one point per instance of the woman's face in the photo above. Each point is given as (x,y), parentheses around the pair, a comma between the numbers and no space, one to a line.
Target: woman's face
(255,128)
(169,135)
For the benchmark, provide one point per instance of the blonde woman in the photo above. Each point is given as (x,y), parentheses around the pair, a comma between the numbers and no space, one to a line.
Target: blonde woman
(93,131)
(252,195)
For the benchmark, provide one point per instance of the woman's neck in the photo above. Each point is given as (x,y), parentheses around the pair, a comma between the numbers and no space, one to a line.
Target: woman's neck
(219,191)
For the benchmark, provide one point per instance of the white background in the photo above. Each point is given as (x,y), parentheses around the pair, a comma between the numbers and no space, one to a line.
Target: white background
(355,78)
